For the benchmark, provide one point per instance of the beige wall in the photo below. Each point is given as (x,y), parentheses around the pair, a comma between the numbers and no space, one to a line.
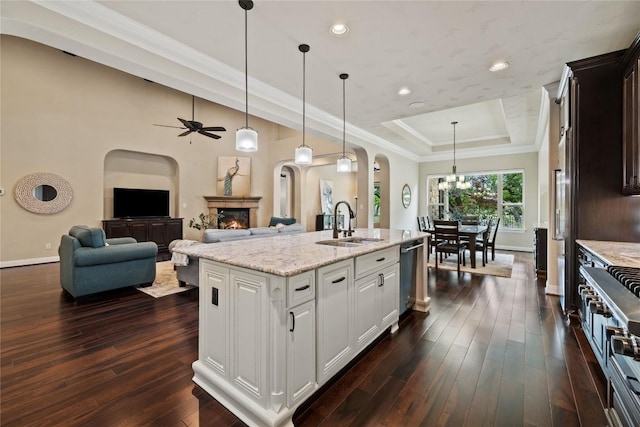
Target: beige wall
(516,240)
(93,125)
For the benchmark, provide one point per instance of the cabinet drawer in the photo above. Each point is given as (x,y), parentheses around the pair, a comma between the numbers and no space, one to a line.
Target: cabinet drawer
(374,261)
(301,288)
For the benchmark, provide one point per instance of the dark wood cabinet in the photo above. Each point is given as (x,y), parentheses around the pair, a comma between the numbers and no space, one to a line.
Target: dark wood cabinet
(630,118)
(540,251)
(595,208)
(162,231)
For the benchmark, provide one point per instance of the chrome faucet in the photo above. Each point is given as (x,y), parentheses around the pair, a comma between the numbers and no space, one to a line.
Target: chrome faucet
(336,232)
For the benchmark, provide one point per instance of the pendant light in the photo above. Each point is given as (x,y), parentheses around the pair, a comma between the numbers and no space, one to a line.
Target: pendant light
(304,153)
(344,163)
(246,138)
(454,180)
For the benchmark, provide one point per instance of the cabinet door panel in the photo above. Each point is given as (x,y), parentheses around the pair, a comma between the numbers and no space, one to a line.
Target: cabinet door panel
(335,311)
(366,312)
(114,230)
(301,352)
(158,232)
(248,333)
(139,231)
(174,230)
(389,292)
(213,347)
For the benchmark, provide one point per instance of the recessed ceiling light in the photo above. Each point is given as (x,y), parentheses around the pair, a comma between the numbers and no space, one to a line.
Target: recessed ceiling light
(499,66)
(404,91)
(339,29)
(418,104)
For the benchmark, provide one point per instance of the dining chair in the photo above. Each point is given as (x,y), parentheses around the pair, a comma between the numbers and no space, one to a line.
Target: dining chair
(481,245)
(470,220)
(422,226)
(492,242)
(448,241)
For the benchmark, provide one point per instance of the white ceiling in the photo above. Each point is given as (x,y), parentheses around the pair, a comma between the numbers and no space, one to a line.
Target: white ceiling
(440,50)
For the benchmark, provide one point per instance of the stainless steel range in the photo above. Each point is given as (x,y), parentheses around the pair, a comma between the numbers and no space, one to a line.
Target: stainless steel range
(610,316)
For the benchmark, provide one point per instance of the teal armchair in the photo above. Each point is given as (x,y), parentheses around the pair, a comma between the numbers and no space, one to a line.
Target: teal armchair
(90,263)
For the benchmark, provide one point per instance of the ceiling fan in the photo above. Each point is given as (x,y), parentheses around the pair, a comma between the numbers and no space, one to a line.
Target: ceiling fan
(194,126)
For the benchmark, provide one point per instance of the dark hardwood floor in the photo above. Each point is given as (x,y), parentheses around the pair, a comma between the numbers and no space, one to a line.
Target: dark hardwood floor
(492,351)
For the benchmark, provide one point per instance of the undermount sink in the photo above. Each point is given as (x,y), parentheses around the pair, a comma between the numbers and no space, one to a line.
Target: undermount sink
(349,241)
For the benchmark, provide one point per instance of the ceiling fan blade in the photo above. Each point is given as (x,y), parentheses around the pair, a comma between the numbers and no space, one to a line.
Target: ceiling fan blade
(214,129)
(210,135)
(185,133)
(167,126)
(187,123)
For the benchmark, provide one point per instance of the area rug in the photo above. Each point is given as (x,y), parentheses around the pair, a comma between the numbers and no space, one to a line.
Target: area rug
(501,267)
(166,282)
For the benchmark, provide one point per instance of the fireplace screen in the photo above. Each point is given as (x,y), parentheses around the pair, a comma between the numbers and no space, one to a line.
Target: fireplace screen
(235,218)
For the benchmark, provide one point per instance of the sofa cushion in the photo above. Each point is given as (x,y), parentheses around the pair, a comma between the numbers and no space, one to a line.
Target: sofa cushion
(212,235)
(260,231)
(293,228)
(275,220)
(89,237)
(87,256)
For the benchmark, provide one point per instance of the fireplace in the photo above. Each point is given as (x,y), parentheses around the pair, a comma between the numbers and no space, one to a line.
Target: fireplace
(234,218)
(239,212)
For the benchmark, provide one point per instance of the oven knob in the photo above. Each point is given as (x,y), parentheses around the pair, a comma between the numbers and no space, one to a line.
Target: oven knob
(612,330)
(586,291)
(591,297)
(596,306)
(583,287)
(623,345)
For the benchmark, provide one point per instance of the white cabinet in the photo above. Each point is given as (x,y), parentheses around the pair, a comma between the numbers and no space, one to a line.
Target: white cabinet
(251,355)
(213,346)
(301,352)
(249,332)
(335,332)
(389,297)
(267,342)
(376,304)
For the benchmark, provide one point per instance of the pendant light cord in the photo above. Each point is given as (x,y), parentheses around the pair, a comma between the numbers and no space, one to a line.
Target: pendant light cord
(304,74)
(246,72)
(454,147)
(344,116)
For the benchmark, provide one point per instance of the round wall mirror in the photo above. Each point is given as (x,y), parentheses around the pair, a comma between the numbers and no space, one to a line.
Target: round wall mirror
(43,193)
(406,196)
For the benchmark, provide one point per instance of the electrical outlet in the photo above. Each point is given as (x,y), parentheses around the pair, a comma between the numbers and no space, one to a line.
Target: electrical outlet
(47,246)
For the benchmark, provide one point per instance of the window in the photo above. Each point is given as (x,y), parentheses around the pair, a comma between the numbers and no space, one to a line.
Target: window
(493,195)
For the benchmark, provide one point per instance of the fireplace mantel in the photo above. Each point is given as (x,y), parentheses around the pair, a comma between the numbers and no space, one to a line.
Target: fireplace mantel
(215,203)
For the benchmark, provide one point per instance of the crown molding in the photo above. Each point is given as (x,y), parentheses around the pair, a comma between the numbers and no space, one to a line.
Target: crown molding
(114,40)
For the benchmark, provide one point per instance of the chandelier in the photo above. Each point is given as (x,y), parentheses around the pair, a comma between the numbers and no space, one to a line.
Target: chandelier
(454,180)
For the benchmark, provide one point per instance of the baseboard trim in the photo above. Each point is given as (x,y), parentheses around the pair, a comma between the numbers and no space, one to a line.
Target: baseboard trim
(552,289)
(514,248)
(30,261)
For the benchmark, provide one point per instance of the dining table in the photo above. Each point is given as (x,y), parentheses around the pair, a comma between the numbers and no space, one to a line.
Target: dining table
(471,231)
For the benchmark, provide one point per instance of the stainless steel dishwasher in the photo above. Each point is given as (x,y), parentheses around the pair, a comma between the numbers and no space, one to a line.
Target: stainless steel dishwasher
(408,260)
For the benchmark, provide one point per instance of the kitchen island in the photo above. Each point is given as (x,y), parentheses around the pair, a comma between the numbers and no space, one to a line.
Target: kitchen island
(279,316)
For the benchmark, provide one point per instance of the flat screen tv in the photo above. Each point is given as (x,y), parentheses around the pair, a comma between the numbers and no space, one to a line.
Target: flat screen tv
(139,203)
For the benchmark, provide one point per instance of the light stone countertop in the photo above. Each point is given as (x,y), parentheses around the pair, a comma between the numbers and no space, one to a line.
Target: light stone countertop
(624,254)
(291,254)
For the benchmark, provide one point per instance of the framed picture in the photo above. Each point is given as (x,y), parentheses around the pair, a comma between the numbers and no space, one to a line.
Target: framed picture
(326,196)
(234,176)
